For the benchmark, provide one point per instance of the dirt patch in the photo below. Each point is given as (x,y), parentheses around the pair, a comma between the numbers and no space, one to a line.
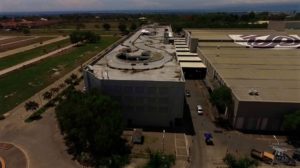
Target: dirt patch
(23,43)
(13,39)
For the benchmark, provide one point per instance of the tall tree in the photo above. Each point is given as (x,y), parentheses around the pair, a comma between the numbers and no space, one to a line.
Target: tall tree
(92,125)
(221,97)
(84,36)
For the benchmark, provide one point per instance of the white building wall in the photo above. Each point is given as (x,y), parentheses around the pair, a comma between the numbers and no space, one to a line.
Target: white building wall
(146,103)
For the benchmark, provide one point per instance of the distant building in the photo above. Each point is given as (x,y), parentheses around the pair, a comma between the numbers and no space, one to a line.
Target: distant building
(282,25)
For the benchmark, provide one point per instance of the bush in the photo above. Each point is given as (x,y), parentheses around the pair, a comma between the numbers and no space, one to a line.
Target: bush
(160,160)
(245,162)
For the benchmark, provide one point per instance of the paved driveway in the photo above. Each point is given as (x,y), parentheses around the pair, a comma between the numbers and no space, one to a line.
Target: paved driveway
(40,140)
(228,141)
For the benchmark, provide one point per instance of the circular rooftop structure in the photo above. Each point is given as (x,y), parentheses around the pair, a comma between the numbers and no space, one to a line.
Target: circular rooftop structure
(140,53)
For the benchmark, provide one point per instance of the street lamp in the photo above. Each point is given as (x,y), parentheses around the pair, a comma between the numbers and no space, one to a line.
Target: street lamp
(276,139)
(164,140)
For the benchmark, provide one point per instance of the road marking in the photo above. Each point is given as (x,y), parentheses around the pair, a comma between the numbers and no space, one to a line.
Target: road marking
(22,150)
(175,145)
(186,145)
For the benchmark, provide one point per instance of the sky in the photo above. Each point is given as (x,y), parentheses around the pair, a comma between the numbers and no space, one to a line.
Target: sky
(98,5)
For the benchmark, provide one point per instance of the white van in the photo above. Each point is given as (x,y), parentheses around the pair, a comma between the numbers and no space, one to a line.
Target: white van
(199,109)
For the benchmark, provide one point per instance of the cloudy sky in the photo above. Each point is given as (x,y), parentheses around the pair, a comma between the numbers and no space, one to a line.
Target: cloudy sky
(67,5)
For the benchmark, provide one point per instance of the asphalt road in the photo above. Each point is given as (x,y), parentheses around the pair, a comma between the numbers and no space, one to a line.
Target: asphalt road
(230,141)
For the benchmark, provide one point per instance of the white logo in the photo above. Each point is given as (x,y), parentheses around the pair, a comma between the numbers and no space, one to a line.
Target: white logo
(267,41)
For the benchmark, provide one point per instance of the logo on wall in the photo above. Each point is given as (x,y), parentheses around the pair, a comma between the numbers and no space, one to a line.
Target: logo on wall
(267,41)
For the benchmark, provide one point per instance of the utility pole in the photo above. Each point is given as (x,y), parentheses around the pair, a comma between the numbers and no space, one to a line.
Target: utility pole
(164,140)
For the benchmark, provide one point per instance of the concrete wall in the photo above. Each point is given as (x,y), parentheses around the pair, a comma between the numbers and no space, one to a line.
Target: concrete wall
(262,116)
(191,42)
(145,103)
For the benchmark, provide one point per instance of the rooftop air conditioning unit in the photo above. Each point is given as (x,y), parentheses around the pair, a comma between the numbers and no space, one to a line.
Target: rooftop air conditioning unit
(253,92)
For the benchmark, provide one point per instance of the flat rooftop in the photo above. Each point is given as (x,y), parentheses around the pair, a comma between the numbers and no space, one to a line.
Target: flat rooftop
(189,59)
(222,34)
(192,65)
(273,72)
(160,66)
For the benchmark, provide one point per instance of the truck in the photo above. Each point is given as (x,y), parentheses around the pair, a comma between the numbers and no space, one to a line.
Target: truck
(266,157)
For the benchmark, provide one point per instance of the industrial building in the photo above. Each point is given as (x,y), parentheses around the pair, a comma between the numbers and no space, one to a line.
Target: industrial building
(262,68)
(187,56)
(143,74)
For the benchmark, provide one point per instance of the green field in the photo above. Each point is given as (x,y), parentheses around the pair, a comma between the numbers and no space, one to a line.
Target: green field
(15,59)
(20,85)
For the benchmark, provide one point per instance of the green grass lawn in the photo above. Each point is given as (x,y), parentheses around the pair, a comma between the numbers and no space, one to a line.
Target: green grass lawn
(68,31)
(20,85)
(15,59)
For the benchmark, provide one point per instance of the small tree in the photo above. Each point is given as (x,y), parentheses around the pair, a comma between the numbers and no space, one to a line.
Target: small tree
(80,26)
(47,95)
(69,81)
(245,162)
(122,27)
(160,160)
(26,31)
(62,85)
(106,26)
(73,77)
(133,26)
(55,90)
(292,121)
(31,105)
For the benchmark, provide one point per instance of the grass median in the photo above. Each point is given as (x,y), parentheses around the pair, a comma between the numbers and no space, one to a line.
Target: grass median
(20,85)
(15,59)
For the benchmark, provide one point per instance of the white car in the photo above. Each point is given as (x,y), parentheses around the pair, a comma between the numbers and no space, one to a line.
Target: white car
(199,109)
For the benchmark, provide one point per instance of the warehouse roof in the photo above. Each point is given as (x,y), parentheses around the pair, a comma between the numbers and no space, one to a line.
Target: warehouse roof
(273,72)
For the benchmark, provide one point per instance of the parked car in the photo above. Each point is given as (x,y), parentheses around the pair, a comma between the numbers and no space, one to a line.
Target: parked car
(296,154)
(208,138)
(137,136)
(199,109)
(187,93)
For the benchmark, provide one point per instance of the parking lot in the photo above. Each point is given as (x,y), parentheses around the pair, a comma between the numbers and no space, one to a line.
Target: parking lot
(224,141)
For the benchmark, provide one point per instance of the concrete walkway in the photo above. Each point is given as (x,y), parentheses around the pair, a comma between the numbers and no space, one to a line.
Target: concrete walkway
(23,64)
(32,46)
